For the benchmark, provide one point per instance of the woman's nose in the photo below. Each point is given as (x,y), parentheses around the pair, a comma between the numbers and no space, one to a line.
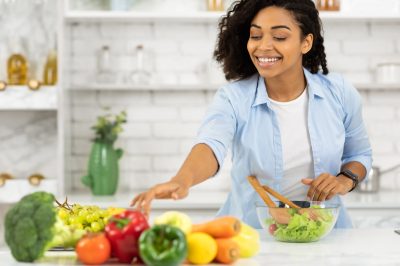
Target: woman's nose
(266,44)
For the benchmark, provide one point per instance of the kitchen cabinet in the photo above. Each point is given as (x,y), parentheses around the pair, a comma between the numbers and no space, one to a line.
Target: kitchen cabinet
(31,128)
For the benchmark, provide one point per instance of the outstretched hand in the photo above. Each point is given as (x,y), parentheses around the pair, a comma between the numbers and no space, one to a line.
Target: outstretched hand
(168,190)
(326,186)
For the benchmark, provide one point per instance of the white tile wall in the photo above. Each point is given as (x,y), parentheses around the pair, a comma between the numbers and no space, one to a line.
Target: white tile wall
(162,125)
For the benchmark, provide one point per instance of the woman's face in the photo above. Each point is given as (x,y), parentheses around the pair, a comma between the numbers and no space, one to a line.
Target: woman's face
(275,43)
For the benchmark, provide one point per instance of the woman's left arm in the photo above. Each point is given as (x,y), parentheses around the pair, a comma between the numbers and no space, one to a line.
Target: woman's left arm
(357,153)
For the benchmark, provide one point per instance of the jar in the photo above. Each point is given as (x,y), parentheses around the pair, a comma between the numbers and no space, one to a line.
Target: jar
(388,73)
(215,5)
(328,5)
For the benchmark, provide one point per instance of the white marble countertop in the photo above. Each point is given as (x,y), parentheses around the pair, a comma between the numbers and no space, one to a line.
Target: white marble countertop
(214,200)
(340,247)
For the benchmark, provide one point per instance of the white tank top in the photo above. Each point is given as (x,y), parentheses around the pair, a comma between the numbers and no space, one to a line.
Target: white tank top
(296,146)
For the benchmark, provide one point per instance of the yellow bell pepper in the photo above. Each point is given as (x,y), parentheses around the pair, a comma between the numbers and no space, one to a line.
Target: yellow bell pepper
(248,240)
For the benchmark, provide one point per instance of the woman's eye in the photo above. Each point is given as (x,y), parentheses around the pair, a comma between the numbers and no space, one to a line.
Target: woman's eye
(280,38)
(255,37)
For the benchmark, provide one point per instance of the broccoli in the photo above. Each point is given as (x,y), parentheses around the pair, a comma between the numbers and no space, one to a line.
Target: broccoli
(32,227)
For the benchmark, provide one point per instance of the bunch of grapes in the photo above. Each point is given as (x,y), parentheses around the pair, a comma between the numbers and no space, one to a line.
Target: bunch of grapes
(89,218)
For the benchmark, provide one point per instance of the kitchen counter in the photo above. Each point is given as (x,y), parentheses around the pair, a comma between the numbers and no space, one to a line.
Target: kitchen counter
(215,199)
(340,247)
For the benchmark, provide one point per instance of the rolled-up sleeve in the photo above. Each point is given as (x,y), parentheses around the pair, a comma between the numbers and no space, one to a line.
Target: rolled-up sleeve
(357,146)
(218,126)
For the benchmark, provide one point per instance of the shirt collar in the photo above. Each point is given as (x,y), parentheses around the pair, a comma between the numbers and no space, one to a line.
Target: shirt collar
(314,89)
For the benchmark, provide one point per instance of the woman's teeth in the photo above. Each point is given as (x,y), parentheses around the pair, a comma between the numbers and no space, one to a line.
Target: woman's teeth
(268,59)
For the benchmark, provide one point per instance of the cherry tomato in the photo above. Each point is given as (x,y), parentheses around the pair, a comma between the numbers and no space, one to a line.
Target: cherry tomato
(272,229)
(93,249)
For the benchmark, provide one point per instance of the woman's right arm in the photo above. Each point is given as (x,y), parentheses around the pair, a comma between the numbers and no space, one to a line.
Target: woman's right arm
(199,165)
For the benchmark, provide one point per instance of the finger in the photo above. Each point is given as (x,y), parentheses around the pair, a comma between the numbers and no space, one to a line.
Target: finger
(326,191)
(139,203)
(332,193)
(322,190)
(307,181)
(136,200)
(146,202)
(314,191)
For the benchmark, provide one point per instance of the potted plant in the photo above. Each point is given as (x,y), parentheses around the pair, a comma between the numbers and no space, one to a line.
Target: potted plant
(103,170)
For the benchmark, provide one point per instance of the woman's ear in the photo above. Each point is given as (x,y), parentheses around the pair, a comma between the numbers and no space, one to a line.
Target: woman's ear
(307,43)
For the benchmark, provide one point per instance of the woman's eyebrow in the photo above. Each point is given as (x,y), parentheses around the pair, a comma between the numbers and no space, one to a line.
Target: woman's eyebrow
(280,27)
(255,26)
(272,28)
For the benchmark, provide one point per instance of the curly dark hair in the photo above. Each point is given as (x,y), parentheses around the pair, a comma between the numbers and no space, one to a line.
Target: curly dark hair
(231,47)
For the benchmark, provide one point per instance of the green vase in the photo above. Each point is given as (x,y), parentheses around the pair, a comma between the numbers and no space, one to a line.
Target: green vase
(103,169)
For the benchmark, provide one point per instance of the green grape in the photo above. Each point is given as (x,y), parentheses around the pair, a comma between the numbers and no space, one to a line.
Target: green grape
(90,218)
(96,216)
(73,220)
(63,213)
(95,226)
(77,226)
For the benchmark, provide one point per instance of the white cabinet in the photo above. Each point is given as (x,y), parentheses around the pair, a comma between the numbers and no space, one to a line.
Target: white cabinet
(31,131)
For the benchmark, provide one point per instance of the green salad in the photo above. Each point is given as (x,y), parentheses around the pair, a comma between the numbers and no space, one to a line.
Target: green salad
(301,228)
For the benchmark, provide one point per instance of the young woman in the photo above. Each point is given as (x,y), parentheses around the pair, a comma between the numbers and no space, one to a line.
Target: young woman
(287,121)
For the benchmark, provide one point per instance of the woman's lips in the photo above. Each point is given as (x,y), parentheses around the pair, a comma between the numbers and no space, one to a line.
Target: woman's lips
(266,62)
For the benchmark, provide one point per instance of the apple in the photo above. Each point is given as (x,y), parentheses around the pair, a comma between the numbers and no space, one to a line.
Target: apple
(175,218)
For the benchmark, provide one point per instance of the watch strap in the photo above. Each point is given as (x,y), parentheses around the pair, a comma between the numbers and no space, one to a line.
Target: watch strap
(349,174)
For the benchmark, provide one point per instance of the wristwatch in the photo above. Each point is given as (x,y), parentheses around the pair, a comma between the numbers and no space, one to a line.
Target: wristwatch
(349,174)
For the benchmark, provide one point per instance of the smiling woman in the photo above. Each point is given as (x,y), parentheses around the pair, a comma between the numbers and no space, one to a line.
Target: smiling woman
(287,121)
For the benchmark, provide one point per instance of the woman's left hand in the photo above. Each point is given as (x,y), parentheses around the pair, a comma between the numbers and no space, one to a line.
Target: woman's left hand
(325,186)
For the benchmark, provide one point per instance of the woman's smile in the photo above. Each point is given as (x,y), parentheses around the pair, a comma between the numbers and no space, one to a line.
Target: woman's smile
(267,62)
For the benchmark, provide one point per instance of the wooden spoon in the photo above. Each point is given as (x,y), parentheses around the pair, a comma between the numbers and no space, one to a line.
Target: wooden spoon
(281,215)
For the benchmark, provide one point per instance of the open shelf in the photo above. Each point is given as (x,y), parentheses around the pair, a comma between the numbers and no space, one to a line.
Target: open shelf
(135,16)
(13,190)
(202,16)
(203,87)
(23,98)
(145,87)
(377,86)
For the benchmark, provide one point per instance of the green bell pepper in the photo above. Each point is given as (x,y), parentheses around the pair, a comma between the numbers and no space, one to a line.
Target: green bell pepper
(163,245)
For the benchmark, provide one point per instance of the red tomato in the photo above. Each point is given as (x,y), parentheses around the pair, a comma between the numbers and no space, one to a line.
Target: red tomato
(93,249)
(272,229)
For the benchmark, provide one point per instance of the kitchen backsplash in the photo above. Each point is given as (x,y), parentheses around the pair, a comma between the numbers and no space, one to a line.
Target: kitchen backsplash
(162,124)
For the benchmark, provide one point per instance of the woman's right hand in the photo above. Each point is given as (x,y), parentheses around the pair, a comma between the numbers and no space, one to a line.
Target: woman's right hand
(168,190)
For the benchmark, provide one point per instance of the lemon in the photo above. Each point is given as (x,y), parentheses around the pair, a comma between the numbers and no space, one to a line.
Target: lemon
(202,248)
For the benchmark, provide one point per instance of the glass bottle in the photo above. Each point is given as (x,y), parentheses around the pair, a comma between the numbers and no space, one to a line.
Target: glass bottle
(17,65)
(140,75)
(104,73)
(50,69)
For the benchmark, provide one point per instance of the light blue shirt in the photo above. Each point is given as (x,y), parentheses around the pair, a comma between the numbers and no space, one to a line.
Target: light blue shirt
(240,118)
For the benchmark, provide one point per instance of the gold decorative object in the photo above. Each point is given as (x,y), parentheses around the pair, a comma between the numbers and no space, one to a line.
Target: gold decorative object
(3,85)
(35,179)
(34,84)
(17,67)
(4,177)
(215,5)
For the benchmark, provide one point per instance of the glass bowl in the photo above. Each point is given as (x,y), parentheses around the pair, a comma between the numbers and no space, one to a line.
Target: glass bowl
(312,222)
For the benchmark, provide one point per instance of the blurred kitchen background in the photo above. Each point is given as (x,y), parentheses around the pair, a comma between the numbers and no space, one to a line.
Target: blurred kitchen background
(153,58)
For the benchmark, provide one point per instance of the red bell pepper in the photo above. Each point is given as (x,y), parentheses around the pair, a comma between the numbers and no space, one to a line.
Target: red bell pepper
(123,230)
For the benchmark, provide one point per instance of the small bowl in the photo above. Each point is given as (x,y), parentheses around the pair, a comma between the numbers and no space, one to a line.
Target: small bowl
(310,223)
